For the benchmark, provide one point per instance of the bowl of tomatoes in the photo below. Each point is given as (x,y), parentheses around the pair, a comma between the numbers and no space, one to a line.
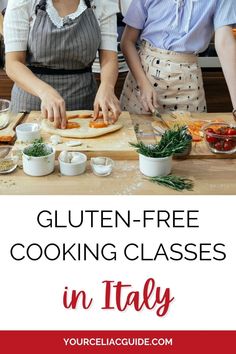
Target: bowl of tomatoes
(220,137)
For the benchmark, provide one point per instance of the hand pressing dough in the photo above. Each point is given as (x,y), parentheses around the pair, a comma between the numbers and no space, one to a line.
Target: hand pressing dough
(81,133)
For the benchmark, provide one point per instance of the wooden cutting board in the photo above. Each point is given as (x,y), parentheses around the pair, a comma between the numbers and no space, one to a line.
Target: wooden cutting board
(114,145)
(7,135)
(200,150)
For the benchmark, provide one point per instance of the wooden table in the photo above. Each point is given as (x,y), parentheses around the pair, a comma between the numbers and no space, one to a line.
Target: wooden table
(210,176)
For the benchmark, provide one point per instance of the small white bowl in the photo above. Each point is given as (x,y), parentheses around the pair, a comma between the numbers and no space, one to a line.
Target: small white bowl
(73,168)
(28,132)
(102,166)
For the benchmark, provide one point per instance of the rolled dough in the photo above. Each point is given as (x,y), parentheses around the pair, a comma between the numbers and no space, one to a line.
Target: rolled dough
(81,133)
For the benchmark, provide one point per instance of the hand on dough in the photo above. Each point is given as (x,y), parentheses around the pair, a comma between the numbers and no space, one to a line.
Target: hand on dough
(53,108)
(107,102)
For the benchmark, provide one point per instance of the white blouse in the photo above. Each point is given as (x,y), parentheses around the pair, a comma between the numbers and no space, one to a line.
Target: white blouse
(20,16)
(124,5)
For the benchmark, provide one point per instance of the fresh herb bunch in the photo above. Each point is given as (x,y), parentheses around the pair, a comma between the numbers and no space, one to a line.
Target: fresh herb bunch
(38,149)
(173,141)
(174,182)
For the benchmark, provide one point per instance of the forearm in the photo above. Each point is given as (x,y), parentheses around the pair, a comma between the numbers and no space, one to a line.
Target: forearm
(52,104)
(109,68)
(106,100)
(25,79)
(148,95)
(132,58)
(226,49)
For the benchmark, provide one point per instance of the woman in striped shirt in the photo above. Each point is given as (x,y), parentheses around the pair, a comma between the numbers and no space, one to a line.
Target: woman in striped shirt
(165,72)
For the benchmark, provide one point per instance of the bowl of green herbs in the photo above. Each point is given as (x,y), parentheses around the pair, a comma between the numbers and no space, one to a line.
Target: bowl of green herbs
(156,159)
(38,159)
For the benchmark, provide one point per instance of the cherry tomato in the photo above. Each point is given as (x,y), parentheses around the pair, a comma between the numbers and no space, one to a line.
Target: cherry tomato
(231,131)
(211,139)
(228,145)
(219,146)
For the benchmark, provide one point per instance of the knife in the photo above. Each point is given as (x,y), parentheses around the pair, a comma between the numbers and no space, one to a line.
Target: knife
(156,114)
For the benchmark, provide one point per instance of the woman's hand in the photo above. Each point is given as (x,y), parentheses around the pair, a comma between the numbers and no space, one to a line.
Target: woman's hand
(148,97)
(107,102)
(53,108)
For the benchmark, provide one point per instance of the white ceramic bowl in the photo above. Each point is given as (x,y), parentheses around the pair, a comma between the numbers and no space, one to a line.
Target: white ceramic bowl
(73,168)
(153,167)
(28,132)
(39,166)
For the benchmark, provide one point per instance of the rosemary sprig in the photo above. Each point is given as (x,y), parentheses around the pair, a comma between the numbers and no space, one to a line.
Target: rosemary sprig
(38,149)
(173,141)
(174,182)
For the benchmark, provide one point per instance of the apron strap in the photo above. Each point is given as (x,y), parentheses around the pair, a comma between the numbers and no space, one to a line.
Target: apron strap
(41,6)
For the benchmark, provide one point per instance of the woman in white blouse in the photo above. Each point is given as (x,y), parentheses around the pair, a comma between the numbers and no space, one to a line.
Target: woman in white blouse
(50,48)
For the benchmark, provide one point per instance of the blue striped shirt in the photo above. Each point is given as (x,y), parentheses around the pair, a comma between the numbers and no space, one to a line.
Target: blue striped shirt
(180,25)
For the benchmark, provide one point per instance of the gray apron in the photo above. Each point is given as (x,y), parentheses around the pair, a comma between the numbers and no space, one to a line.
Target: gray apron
(62,57)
